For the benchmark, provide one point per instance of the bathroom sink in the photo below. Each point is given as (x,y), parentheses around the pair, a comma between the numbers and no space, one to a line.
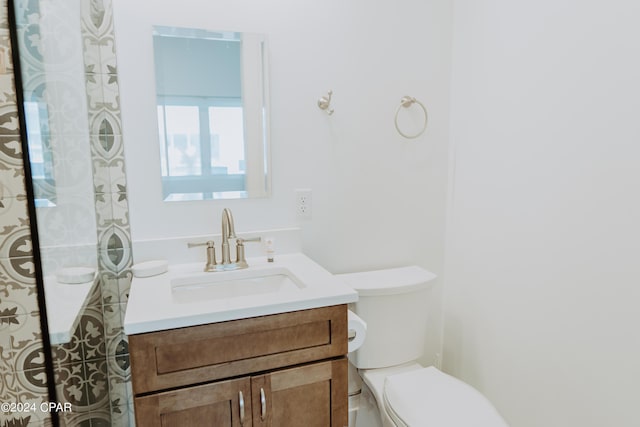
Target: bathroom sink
(186,296)
(233,284)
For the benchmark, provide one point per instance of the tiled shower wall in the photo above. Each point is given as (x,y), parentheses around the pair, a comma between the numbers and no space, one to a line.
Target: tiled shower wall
(92,371)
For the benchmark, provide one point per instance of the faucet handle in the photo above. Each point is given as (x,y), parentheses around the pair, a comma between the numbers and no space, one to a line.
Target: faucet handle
(251,239)
(211,254)
(208,243)
(241,261)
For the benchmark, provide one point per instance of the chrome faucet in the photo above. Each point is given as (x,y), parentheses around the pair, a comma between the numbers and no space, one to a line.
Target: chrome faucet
(228,232)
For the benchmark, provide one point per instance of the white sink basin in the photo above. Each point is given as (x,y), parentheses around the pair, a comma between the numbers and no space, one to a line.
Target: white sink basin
(233,284)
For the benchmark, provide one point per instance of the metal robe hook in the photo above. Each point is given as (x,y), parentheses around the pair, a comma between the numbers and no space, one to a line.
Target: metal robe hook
(324,103)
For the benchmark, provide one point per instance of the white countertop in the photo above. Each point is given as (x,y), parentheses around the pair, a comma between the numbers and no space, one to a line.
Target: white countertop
(64,304)
(153,306)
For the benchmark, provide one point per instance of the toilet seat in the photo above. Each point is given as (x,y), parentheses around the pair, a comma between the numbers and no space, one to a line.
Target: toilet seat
(427,397)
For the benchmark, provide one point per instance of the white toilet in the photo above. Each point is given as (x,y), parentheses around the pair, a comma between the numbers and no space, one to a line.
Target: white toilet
(389,388)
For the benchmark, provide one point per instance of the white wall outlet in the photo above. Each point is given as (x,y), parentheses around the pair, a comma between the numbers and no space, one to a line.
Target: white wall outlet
(303,203)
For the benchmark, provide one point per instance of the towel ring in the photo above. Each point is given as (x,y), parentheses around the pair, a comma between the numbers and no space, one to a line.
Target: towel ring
(406,102)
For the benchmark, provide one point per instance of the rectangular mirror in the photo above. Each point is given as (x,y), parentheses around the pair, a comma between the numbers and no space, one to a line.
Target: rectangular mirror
(211,92)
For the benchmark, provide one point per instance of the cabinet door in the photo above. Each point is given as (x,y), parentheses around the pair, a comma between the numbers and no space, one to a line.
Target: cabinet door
(221,404)
(312,395)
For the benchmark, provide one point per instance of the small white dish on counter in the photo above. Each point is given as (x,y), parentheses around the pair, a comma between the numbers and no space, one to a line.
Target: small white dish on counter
(187,296)
(150,268)
(75,275)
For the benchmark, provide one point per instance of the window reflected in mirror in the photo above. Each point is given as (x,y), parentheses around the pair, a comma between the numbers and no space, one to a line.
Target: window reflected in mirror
(40,153)
(212,117)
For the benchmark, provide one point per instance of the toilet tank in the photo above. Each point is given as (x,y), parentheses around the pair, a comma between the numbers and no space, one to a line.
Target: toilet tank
(393,303)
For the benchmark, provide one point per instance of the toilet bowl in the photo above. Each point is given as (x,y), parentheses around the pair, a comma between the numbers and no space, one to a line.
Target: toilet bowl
(387,387)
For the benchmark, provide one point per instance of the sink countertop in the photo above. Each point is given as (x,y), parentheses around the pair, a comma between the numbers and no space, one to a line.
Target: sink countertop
(152,306)
(64,304)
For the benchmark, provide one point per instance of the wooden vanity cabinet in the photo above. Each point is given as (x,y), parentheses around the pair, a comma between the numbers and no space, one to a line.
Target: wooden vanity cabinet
(279,370)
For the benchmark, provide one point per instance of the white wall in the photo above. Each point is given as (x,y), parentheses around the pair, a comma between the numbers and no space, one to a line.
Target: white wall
(542,296)
(378,199)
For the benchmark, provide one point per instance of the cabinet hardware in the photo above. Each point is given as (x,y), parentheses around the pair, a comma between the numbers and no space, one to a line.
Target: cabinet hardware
(241,398)
(263,404)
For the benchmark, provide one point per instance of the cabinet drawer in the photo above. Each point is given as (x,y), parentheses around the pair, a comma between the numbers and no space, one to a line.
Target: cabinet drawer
(178,357)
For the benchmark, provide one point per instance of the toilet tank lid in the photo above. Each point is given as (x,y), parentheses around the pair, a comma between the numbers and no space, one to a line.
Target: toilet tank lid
(391,281)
